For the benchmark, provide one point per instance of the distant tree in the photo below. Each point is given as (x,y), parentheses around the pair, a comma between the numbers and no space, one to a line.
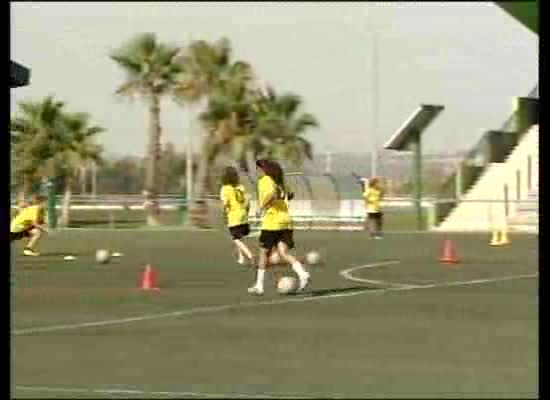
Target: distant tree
(209,74)
(35,136)
(79,146)
(151,75)
(171,170)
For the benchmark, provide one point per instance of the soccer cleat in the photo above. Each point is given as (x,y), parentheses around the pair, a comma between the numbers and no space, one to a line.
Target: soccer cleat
(304,281)
(30,252)
(241,261)
(256,290)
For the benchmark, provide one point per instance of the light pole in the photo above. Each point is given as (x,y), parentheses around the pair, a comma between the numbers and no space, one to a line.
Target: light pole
(375,100)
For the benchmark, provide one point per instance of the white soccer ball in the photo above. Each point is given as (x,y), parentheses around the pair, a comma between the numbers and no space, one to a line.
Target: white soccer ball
(313,258)
(102,256)
(286,285)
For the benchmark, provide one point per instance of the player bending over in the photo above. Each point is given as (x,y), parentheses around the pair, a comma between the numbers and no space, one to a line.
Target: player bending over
(28,223)
(276,229)
(236,204)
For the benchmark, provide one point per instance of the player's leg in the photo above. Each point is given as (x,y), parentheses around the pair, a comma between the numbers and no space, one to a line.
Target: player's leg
(237,234)
(35,235)
(243,251)
(266,243)
(379,222)
(370,223)
(285,243)
(258,287)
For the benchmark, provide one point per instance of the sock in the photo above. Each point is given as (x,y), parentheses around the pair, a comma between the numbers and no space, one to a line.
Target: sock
(299,269)
(260,278)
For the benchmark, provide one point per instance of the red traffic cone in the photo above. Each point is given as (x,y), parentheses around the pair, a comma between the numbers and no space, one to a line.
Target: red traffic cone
(449,253)
(149,279)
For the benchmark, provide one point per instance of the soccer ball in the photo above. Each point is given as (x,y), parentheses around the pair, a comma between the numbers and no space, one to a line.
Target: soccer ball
(286,285)
(102,256)
(274,258)
(313,258)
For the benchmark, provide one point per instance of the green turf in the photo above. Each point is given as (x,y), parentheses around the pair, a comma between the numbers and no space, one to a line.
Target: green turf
(461,341)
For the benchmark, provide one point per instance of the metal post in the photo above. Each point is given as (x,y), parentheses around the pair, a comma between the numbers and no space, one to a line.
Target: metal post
(94,179)
(189,167)
(458,183)
(416,144)
(375,100)
(529,184)
(328,165)
(52,217)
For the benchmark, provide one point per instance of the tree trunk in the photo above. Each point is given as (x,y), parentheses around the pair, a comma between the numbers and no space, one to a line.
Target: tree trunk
(83,179)
(197,209)
(25,189)
(151,174)
(202,173)
(66,205)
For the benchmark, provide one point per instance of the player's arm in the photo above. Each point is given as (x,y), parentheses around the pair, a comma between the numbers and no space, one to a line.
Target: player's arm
(267,195)
(224,196)
(39,221)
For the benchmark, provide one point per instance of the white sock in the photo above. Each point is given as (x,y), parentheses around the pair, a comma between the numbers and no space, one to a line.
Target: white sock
(260,278)
(299,269)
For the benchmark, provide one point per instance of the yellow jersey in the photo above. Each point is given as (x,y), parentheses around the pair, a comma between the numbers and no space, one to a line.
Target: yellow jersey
(276,216)
(236,203)
(372,197)
(27,217)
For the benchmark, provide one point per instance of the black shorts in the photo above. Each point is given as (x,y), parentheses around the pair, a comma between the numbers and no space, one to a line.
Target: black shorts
(239,231)
(20,235)
(375,216)
(270,239)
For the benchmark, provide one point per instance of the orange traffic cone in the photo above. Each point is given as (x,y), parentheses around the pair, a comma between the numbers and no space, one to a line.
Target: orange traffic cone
(449,254)
(149,279)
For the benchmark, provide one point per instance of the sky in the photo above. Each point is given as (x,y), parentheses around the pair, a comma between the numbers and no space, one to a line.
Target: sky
(473,58)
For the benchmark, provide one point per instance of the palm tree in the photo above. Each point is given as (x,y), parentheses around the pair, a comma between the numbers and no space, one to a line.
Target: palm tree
(276,129)
(77,148)
(209,75)
(150,73)
(34,136)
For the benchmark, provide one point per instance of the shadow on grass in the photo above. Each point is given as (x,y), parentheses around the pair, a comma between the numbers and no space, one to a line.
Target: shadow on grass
(328,291)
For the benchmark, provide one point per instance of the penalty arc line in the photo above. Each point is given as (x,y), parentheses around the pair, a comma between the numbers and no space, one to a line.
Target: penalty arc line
(158,393)
(214,309)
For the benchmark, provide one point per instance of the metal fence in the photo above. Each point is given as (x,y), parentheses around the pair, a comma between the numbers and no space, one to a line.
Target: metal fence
(321,202)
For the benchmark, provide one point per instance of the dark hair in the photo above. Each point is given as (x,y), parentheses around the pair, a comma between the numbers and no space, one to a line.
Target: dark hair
(230,176)
(38,198)
(373,182)
(273,170)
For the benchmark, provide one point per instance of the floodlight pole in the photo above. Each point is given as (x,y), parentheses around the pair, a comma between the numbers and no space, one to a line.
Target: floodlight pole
(416,145)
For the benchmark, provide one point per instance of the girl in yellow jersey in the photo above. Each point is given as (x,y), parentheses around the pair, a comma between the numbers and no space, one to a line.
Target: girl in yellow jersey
(373,195)
(236,204)
(28,223)
(276,232)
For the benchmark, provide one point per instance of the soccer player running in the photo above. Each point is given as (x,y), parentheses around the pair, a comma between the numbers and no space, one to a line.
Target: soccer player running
(373,194)
(28,223)
(236,204)
(276,231)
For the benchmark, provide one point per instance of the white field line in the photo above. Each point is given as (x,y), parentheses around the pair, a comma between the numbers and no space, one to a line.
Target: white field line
(346,274)
(157,393)
(251,304)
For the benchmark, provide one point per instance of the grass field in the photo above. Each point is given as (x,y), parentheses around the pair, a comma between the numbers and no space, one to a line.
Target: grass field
(380,319)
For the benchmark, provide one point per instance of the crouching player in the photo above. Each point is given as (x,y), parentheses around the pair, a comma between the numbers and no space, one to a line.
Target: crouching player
(276,232)
(236,204)
(28,223)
